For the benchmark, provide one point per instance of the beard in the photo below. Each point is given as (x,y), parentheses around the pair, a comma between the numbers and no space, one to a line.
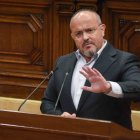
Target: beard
(90,53)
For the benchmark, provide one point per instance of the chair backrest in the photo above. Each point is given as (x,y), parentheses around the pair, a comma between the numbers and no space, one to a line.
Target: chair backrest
(31,106)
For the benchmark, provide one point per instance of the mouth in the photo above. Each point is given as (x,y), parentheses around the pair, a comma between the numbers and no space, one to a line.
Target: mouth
(87,46)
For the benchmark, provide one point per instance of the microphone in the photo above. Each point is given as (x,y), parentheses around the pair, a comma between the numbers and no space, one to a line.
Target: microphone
(66,74)
(46,77)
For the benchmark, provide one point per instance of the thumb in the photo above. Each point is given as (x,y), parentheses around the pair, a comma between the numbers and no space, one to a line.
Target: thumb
(73,115)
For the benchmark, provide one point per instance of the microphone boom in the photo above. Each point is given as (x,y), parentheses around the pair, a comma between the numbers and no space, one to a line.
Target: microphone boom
(66,74)
(48,76)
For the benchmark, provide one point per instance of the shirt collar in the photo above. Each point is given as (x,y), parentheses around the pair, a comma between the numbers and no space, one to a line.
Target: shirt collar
(103,46)
(78,54)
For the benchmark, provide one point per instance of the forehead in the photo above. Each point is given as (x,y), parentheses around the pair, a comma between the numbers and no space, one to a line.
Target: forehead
(84,19)
(83,14)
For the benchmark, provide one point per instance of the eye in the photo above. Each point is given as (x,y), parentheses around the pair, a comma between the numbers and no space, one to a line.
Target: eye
(78,34)
(90,30)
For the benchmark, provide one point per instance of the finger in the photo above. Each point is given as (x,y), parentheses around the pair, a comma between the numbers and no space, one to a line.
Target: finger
(93,71)
(65,114)
(89,74)
(73,115)
(97,72)
(68,115)
(87,88)
(89,71)
(84,73)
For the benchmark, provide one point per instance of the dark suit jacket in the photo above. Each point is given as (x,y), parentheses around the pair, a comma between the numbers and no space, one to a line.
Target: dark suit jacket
(114,65)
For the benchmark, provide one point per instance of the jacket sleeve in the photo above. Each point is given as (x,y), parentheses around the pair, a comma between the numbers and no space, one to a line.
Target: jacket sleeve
(130,82)
(50,96)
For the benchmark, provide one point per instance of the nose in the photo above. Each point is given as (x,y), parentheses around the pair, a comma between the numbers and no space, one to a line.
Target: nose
(85,36)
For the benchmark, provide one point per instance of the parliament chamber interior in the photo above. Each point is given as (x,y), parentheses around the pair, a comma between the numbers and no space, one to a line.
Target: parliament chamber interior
(34,33)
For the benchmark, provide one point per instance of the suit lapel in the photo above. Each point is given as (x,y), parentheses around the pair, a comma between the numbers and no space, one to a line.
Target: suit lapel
(105,60)
(102,64)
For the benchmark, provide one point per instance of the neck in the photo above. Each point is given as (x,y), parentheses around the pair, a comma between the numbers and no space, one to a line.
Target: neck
(87,58)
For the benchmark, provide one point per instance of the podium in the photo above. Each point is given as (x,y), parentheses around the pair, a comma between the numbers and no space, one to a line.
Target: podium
(24,126)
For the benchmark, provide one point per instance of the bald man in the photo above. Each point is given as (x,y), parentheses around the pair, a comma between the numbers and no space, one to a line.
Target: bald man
(100,81)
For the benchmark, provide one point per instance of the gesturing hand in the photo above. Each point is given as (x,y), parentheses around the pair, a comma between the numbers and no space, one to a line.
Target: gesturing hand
(98,82)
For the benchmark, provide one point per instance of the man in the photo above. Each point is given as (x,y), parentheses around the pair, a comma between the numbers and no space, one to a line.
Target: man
(97,81)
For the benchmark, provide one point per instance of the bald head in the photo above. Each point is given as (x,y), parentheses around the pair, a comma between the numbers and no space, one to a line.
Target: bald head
(85,14)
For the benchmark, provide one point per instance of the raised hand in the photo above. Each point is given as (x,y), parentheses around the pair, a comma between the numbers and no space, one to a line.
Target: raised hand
(98,82)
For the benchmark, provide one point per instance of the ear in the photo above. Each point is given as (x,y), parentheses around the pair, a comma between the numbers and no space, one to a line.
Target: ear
(72,36)
(103,27)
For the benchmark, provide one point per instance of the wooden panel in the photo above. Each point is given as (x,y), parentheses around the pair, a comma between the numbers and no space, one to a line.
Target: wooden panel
(62,42)
(129,36)
(24,36)
(123,24)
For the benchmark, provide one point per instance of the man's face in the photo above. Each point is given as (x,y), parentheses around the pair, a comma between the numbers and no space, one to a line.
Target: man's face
(87,33)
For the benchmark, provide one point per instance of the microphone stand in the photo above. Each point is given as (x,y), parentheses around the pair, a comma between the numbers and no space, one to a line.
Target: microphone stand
(48,76)
(66,74)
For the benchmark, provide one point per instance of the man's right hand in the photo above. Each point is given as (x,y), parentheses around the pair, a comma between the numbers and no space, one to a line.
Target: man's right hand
(68,115)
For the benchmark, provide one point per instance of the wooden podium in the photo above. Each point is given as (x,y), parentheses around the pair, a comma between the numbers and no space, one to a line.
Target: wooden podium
(24,126)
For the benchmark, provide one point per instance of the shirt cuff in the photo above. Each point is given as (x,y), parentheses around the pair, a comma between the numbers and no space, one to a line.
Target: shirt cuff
(116,90)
